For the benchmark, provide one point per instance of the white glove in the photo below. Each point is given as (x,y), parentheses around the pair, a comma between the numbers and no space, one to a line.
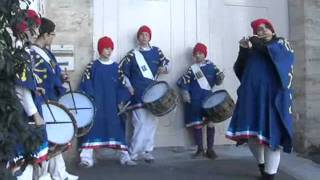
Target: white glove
(186,96)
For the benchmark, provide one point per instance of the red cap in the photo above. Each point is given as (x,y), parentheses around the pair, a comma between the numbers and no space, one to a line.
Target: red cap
(144,28)
(199,47)
(31,15)
(256,23)
(104,42)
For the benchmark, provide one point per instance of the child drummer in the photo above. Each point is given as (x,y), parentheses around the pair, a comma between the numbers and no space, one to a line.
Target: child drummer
(101,81)
(196,85)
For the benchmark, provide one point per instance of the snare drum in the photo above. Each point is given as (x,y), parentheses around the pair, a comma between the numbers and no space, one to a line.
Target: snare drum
(159,98)
(60,126)
(82,108)
(219,106)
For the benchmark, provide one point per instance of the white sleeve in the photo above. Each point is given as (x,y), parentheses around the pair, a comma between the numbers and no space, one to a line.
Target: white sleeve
(26,100)
(168,66)
(128,84)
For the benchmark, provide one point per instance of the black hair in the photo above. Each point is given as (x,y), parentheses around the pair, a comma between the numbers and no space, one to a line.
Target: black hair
(47,26)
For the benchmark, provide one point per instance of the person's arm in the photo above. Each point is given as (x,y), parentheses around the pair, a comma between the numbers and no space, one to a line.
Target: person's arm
(28,104)
(241,62)
(165,65)
(183,83)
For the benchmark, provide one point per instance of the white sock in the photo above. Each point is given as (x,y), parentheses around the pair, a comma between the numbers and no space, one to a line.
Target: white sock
(87,156)
(257,150)
(272,160)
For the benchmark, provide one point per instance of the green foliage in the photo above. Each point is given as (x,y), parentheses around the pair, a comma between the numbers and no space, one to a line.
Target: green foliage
(14,129)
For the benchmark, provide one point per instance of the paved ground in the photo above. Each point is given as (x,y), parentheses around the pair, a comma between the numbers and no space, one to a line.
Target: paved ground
(176,164)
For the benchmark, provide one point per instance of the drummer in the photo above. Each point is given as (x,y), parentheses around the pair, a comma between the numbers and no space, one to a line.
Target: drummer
(140,67)
(28,94)
(51,80)
(196,84)
(101,81)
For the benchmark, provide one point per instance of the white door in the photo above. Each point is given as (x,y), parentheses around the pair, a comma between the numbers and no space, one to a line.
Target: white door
(176,26)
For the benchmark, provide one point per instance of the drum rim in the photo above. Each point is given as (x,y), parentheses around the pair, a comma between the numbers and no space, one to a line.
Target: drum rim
(149,87)
(209,96)
(90,98)
(74,122)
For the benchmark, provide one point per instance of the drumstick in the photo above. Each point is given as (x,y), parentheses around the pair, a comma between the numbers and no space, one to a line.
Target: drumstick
(71,92)
(46,102)
(124,109)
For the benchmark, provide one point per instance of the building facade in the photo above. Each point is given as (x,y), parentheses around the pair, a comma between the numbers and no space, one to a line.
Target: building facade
(177,25)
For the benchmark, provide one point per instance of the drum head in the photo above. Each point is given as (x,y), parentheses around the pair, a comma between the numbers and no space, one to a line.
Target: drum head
(60,124)
(155,92)
(82,107)
(215,99)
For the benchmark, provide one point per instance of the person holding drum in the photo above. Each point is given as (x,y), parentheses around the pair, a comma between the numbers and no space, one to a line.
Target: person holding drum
(102,82)
(52,83)
(28,93)
(263,113)
(196,85)
(140,67)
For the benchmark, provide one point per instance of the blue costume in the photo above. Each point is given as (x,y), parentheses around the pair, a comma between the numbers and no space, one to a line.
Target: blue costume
(28,79)
(144,123)
(50,75)
(129,68)
(188,82)
(263,109)
(103,83)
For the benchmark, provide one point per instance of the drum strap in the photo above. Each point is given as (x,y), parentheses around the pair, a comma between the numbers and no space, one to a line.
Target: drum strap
(143,66)
(43,54)
(201,79)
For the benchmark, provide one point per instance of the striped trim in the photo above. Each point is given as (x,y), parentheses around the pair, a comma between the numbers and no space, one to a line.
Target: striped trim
(247,135)
(42,155)
(107,144)
(194,123)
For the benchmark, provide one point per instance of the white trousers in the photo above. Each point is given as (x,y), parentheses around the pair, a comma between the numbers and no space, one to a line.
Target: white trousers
(87,156)
(41,172)
(264,155)
(27,173)
(35,172)
(57,168)
(145,126)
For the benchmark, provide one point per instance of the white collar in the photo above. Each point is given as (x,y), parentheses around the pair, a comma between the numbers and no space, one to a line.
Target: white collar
(204,63)
(144,48)
(106,62)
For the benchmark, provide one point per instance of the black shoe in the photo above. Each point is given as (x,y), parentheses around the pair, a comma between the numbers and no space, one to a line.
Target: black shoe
(199,154)
(211,154)
(267,176)
(261,169)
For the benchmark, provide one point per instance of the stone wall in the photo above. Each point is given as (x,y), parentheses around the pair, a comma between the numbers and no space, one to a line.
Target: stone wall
(73,20)
(304,28)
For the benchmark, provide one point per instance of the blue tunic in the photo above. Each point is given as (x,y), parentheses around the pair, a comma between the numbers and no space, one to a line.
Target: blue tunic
(263,108)
(129,68)
(50,75)
(27,78)
(188,82)
(102,82)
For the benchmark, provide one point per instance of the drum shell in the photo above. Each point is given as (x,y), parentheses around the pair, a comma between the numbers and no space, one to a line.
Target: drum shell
(54,148)
(164,104)
(222,111)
